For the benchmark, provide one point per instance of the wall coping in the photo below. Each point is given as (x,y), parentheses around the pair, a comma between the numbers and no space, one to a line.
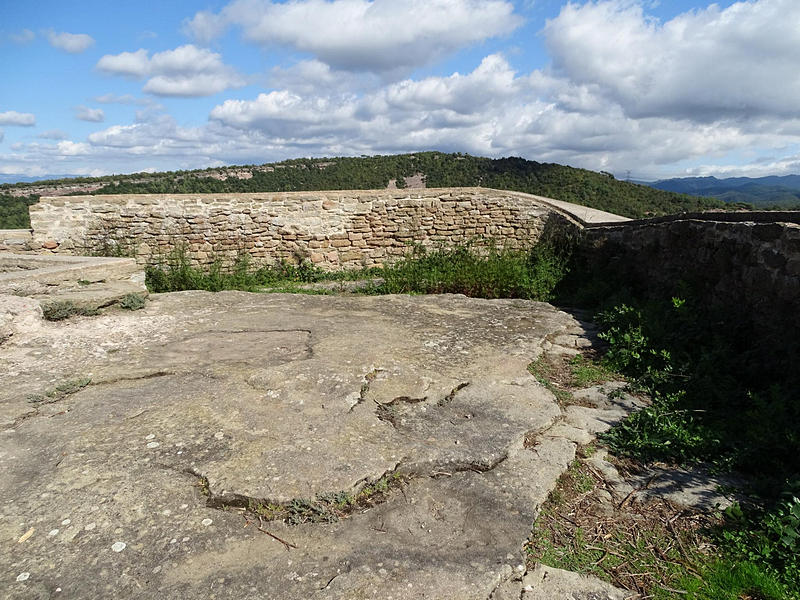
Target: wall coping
(762,216)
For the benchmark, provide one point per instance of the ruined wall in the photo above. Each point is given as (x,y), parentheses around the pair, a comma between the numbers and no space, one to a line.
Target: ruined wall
(745,264)
(333,230)
(15,240)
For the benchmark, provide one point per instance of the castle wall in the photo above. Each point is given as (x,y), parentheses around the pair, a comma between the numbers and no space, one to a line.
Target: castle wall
(333,230)
(745,264)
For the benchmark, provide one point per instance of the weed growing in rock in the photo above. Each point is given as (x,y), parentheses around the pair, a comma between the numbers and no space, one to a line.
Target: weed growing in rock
(64,309)
(61,391)
(562,375)
(132,301)
(327,507)
(176,273)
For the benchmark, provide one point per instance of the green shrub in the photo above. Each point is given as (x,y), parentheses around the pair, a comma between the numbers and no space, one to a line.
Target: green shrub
(713,403)
(132,301)
(767,537)
(491,273)
(64,309)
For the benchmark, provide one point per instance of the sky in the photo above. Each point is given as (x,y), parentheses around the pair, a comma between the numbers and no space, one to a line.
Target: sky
(641,88)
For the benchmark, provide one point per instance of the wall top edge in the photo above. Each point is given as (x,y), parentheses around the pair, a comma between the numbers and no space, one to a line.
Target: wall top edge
(580,215)
(398,193)
(755,217)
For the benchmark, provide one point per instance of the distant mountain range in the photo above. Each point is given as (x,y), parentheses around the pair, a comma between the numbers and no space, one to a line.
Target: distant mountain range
(762,192)
(23,179)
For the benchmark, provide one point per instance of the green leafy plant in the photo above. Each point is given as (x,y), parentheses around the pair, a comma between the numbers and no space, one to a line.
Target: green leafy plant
(477,272)
(132,301)
(64,309)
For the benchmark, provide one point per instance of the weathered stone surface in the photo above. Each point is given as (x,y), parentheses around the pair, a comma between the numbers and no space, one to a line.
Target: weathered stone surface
(547,583)
(695,488)
(274,398)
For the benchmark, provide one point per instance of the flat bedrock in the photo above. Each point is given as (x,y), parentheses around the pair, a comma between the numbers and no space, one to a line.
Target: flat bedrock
(120,486)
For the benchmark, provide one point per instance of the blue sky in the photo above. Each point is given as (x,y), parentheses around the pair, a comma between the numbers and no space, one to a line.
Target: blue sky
(657,89)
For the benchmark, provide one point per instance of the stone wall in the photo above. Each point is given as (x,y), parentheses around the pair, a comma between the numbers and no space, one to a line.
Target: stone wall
(745,264)
(334,230)
(15,240)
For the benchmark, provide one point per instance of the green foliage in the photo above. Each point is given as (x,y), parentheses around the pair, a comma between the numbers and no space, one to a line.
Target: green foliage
(491,273)
(730,579)
(64,309)
(132,301)
(630,350)
(712,404)
(663,431)
(176,273)
(580,186)
(14,211)
(712,401)
(586,372)
(770,538)
(463,270)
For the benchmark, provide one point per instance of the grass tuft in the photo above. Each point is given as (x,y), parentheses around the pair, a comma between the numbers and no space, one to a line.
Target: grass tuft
(487,273)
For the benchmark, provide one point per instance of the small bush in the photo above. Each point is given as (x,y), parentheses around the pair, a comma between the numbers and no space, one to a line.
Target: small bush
(64,309)
(132,302)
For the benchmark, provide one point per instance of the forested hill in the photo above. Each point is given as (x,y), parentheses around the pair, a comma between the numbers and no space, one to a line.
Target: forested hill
(762,192)
(434,169)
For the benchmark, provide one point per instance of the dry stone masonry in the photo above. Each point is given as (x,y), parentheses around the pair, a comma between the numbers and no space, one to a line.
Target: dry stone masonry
(746,264)
(339,229)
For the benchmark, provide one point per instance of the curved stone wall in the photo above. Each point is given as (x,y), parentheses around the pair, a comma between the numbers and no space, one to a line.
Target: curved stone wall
(745,264)
(336,229)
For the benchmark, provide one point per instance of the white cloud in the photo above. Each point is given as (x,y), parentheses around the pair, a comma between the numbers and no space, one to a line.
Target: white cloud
(68,148)
(53,134)
(111,98)
(494,111)
(185,71)
(788,165)
(381,36)
(2,135)
(704,65)
(74,43)
(22,37)
(205,26)
(127,64)
(601,105)
(12,117)
(93,115)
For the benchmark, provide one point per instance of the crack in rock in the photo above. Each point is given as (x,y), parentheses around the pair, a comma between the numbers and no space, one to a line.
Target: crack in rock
(362,395)
(449,398)
(475,466)
(144,377)
(388,411)
(327,507)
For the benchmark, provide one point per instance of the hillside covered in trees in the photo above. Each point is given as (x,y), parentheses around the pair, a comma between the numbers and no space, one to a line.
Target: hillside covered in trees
(772,192)
(596,190)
